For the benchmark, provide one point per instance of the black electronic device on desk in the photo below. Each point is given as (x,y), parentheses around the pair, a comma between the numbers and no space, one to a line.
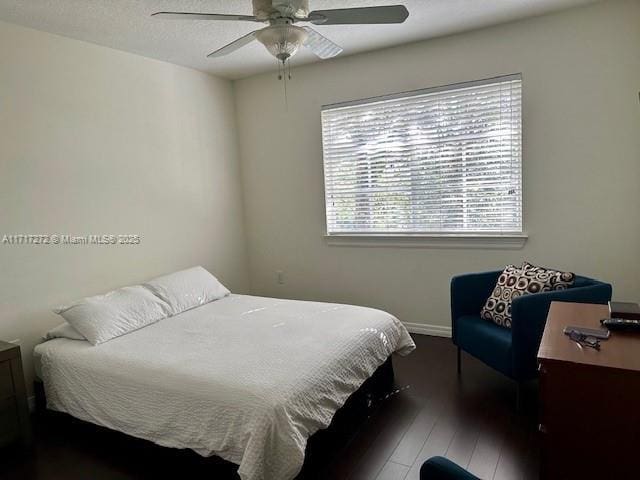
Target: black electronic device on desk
(621,324)
(624,310)
(624,317)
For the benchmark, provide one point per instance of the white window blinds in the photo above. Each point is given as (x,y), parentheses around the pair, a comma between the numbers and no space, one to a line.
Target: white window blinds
(446,160)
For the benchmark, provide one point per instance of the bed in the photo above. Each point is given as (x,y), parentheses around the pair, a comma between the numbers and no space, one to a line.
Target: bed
(246,378)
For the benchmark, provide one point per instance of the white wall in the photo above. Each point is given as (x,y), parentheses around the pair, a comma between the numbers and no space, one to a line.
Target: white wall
(96,141)
(581,74)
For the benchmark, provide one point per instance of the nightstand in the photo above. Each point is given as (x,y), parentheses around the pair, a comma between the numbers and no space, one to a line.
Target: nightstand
(14,410)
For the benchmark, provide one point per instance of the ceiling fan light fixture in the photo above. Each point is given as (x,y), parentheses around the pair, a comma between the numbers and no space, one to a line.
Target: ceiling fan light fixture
(282,41)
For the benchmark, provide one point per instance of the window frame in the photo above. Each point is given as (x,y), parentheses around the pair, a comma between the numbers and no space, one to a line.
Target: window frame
(444,239)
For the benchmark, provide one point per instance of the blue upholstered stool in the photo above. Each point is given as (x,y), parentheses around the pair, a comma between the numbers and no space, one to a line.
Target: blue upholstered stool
(439,468)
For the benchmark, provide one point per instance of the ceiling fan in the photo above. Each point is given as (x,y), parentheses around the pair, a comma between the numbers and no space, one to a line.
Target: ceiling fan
(282,37)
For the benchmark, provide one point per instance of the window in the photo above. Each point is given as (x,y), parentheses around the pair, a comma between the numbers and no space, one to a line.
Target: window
(441,161)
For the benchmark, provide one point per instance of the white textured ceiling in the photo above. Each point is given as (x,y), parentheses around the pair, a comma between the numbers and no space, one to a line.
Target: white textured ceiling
(127,25)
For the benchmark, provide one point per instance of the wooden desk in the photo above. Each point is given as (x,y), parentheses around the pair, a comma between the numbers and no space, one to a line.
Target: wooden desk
(589,399)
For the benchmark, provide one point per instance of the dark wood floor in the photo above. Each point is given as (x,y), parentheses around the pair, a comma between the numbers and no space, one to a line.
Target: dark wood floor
(472,421)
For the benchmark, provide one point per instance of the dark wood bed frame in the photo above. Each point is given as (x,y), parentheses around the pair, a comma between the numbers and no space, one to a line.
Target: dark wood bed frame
(321,445)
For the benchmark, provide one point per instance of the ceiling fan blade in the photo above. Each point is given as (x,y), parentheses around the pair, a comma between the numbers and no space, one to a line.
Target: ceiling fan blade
(235,45)
(364,15)
(203,16)
(320,45)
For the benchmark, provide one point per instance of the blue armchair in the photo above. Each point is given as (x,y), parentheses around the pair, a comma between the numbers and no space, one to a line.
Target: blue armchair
(510,351)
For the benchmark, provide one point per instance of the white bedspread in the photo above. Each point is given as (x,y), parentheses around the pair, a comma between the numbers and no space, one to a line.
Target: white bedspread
(246,378)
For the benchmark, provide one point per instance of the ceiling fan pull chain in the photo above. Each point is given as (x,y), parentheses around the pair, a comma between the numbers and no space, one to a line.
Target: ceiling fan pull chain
(284,71)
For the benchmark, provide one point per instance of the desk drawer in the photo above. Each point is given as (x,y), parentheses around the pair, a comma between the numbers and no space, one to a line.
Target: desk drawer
(6,381)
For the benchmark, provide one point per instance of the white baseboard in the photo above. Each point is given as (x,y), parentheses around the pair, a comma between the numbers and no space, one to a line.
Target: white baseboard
(432,330)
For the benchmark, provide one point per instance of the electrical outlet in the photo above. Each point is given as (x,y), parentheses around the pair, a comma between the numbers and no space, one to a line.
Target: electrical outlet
(280,277)
(15,341)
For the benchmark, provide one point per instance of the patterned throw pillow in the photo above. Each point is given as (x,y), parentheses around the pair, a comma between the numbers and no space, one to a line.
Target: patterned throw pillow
(551,279)
(498,306)
(514,282)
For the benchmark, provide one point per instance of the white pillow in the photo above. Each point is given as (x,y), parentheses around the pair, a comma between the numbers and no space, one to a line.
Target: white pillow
(187,289)
(116,313)
(63,331)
